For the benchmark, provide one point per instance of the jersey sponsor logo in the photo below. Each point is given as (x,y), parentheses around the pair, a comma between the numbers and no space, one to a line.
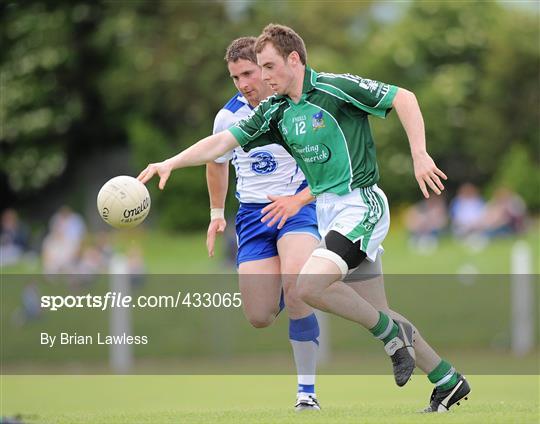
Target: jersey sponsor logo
(379,88)
(317,120)
(314,153)
(264,162)
(368,84)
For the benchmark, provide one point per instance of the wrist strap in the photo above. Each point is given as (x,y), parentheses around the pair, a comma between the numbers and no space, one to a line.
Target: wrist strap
(217,213)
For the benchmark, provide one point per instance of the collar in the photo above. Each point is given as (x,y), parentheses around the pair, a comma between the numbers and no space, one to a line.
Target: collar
(310,77)
(242,99)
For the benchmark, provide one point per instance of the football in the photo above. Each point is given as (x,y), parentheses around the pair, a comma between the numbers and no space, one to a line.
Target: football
(123,202)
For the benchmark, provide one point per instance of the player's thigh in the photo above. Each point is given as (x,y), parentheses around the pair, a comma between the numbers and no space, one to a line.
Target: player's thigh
(260,286)
(294,250)
(297,240)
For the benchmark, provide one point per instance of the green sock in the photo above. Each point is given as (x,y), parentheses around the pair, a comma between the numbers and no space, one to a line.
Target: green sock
(385,329)
(444,376)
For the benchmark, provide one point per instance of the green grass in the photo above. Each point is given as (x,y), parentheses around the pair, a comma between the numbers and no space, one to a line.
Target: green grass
(481,305)
(257,399)
(268,399)
(185,253)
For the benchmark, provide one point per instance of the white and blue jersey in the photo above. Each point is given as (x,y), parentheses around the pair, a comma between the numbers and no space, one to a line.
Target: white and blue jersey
(263,171)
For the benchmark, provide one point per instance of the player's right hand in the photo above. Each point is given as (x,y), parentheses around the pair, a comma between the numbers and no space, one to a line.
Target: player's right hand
(163,169)
(216,226)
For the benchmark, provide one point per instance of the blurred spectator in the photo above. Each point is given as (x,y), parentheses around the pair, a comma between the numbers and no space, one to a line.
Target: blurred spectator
(31,307)
(103,244)
(95,257)
(62,245)
(466,211)
(505,214)
(91,262)
(13,238)
(425,221)
(136,267)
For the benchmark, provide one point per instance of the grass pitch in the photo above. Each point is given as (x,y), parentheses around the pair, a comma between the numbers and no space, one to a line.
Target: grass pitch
(257,399)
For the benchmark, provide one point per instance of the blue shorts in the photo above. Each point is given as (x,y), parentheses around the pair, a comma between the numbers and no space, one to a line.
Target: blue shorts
(257,241)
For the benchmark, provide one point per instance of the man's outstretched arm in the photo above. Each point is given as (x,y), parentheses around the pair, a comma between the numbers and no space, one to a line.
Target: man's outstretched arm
(205,150)
(425,171)
(217,179)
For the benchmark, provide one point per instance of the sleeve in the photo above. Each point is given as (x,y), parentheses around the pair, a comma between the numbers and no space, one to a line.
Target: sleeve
(254,131)
(373,97)
(223,121)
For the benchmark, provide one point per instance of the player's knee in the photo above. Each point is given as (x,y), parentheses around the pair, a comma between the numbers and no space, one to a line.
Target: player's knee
(293,300)
(259,320)
(306,291)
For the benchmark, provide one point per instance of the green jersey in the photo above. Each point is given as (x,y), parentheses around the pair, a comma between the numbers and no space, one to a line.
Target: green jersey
(327,132)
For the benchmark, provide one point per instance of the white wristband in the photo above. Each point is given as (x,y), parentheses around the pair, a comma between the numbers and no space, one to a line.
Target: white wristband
(217,213)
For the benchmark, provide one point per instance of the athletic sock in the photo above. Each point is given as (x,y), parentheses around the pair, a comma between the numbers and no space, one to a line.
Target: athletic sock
(385,329)
(444,375)
(306,388)
(303,335)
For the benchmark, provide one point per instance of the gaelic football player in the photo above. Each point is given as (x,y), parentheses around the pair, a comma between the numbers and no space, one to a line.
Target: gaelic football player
(269,256)
(321,119)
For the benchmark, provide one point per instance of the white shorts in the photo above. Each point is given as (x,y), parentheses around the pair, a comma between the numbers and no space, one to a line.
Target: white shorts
(361,215)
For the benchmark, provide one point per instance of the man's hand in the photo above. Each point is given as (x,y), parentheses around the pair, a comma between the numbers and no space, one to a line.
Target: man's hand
(427,174)
(281,209)
(216,226)
(163,169)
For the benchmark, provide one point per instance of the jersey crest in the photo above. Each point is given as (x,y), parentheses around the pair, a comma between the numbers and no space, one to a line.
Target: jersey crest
(317,121)
(263,163)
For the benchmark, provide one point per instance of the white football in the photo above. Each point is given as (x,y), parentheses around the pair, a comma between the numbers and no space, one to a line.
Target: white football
(123,202)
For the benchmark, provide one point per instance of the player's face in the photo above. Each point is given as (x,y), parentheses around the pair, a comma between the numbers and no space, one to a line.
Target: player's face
(276,71)
(247,79)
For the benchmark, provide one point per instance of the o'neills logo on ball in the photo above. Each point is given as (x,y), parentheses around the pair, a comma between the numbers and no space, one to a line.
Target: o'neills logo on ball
(129,213)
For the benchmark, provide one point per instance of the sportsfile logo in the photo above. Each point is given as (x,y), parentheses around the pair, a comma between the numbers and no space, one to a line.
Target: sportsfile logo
(112,300)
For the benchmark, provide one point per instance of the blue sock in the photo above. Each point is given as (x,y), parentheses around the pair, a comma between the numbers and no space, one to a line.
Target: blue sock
(306,388)
(303,334)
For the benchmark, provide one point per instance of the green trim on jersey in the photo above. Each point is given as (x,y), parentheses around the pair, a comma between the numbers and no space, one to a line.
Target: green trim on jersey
(327,131)
(364,230)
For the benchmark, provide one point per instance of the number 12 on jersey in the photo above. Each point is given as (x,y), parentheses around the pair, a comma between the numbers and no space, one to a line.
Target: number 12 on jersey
(300,127)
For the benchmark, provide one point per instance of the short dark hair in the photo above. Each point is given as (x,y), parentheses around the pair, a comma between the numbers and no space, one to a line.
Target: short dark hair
(284,40)
(241,48)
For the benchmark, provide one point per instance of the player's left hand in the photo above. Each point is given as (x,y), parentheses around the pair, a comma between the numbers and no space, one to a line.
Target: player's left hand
(216,226)
(428,175)
(281,209)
